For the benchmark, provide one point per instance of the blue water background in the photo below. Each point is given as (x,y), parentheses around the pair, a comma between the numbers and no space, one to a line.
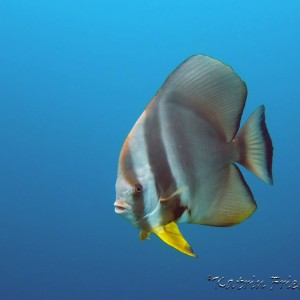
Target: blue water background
(74,77)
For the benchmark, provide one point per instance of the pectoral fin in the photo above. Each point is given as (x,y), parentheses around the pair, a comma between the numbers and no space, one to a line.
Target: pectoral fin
(171,235)
(177,192)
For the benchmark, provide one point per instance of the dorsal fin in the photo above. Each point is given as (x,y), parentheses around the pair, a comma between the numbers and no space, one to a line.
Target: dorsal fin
(209,88)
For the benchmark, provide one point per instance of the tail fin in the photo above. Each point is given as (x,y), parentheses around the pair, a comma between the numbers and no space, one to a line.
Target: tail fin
(255,146)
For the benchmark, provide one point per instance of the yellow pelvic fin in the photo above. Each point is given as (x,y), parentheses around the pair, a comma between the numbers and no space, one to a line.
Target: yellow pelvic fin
(144,235)
(171,235)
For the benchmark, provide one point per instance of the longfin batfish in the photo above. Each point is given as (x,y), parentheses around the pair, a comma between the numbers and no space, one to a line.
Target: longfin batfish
(179,162)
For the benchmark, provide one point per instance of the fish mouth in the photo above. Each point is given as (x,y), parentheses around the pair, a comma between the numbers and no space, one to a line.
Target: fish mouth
(121,207)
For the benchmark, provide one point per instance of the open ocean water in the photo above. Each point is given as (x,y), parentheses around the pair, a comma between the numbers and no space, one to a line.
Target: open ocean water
(74,78)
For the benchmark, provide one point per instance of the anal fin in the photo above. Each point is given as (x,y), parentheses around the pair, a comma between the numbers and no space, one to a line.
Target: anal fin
(232,204)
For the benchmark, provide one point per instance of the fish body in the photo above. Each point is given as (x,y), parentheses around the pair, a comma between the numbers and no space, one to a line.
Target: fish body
(179,162)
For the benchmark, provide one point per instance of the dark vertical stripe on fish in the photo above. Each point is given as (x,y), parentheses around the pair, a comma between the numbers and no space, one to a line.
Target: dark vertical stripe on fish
(130,175)
(158,160)
(157,155)
(181,134)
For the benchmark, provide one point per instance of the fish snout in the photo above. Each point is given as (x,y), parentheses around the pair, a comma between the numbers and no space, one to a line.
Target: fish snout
(121,206)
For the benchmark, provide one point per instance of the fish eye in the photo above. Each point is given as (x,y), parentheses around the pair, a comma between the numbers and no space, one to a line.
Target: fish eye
(138,188)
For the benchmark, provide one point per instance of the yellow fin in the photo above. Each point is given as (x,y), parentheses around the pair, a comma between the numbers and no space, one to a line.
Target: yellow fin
(144,235)
(171,235)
